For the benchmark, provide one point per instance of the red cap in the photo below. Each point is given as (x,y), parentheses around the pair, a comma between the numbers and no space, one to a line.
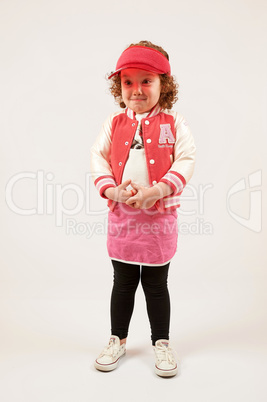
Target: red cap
(144,58)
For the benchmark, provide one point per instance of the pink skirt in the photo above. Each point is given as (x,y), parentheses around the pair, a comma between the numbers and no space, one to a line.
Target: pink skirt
(142,236)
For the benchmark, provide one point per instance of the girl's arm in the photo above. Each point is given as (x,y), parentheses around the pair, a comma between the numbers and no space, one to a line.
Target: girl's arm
(101,170)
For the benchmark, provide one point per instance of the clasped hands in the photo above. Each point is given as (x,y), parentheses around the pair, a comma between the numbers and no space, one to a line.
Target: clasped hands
(139,197)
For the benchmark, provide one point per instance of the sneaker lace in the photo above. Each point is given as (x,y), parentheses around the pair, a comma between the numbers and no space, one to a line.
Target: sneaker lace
(110,350)
(164,353)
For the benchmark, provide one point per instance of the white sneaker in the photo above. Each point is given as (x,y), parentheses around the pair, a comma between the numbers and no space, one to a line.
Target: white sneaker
(165,365)
(111,354)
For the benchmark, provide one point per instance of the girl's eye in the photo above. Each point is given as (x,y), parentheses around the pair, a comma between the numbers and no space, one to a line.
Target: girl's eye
(127,82)
(146,81)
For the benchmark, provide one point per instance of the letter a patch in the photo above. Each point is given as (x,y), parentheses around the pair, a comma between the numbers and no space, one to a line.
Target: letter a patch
(166,134)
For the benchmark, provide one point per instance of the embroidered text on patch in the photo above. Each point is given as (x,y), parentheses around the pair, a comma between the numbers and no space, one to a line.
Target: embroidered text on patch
(166,134)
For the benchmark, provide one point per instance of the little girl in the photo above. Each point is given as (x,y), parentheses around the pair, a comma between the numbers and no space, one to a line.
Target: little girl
(141,161)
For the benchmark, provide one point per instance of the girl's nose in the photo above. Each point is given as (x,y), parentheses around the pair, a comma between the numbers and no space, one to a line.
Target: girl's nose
(137,89)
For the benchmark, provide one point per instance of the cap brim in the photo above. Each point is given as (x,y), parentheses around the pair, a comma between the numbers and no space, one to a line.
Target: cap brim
(115,72)
(139,67)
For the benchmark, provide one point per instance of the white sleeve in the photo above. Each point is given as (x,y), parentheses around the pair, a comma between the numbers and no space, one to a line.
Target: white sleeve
(101,169)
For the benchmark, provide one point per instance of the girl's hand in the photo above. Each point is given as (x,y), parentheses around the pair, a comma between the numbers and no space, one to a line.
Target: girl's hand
(119,193)
(146,197)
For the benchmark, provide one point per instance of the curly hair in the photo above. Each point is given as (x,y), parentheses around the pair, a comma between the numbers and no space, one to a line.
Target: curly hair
(169,86)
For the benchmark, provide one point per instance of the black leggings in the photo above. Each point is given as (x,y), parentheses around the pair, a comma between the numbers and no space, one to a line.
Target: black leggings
(154,283)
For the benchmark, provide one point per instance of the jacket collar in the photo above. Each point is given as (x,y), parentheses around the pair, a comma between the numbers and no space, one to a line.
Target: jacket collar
(153,112)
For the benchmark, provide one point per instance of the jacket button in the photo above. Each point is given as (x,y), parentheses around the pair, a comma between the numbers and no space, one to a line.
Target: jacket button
(133,124)
(120,163)
(126,142)
(152,161)
(147,122)
(148,140)
(154,182)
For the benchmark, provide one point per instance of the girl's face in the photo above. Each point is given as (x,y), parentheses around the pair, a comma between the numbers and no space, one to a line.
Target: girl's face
(140,89)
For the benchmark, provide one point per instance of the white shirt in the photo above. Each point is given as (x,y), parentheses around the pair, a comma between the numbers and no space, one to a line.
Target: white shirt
(136,167)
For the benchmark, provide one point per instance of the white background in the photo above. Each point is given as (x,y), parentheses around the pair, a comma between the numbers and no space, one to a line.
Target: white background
(55,284)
